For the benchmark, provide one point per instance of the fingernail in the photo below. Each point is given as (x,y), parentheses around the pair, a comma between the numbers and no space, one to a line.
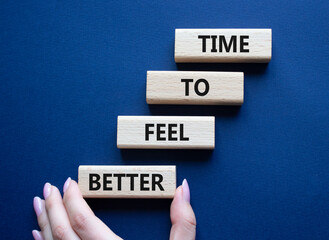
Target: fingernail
(46,190)
(37,235)
(37,204)
(66,184)
(186,191)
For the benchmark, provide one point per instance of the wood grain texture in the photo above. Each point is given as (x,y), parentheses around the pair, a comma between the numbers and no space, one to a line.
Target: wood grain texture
(171,87)
(189,45)
(147,181)
(132,132)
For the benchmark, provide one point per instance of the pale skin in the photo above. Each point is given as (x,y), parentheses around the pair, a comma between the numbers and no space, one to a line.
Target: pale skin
(70,218)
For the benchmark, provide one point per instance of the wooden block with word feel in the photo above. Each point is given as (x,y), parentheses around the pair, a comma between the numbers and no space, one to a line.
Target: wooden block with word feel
(198,88)
(127,181)
(223,45)
(163,132)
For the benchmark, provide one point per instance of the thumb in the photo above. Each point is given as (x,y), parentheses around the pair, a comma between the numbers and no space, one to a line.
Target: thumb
(182,215)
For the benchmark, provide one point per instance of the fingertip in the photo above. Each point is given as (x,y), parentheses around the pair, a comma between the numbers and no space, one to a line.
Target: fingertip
(37,235)
(72,185)
(176,204)
(179,193)
(183,192)
(38,205)
(55,190)
(54,195)
(47,190)
(72,190)
(66,184)
(180,207)
(186,191)
(182,215)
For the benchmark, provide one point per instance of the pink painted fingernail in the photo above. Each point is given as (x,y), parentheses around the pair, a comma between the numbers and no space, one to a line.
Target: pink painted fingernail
(46,190)
(37,235)
(66,184)
(37,205)
(186,191)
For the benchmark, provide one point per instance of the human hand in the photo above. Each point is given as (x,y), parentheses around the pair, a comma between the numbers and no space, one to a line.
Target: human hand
(70,217)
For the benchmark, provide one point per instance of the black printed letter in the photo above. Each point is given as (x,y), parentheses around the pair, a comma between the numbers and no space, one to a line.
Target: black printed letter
(196,87)
(143,182)
(222,41)
(106,181)
(148,131)
(119,176)
(242,44)
(187,84)
(157,182)
(204,37)
(92,181)
(132,180)
(181,130)
(159,132)
(171,132)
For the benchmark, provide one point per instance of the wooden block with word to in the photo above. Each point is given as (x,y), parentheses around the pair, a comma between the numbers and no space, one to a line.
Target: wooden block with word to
(127,181)
(223,45)
(166,132)
(198,88)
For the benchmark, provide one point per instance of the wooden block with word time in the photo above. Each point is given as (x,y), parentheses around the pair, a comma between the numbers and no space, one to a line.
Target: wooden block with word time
(198,88)
(223,45)
(164,132)
(127,181)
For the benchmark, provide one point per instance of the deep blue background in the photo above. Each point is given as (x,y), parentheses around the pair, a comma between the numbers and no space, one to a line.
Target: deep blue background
(69,68)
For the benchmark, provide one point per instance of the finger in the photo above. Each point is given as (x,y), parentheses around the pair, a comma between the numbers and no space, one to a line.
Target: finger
(43,221)
(182,215)
(37,235)
(82,218)
(59,221)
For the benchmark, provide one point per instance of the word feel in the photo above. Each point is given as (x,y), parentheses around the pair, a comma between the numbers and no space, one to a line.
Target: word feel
(160,130)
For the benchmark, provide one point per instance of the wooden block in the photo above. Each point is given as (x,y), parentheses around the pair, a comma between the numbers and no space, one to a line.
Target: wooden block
(127,181)
(223,45)
(198,88)
(166,132)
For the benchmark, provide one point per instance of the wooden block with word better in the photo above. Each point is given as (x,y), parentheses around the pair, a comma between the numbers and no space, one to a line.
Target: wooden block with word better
(223,45)
(166,132)
(127,181)
(198,88)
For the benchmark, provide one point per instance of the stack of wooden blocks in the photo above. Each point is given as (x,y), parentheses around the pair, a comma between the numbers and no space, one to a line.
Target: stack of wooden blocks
(173,132)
